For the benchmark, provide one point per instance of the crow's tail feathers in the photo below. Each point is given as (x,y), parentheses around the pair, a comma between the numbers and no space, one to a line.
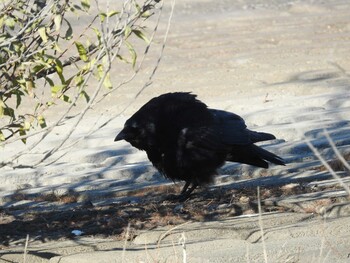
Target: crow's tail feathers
(268,156)
(253,155)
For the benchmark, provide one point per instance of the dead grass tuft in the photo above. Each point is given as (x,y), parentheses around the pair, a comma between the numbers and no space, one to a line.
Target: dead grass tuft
(317,206)
(337,165)
(53,197)
(150,191)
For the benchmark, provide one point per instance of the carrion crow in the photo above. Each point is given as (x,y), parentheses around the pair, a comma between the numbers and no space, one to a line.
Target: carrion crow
(185,140)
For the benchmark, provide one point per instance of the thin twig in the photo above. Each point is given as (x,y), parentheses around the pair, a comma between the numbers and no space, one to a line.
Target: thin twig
(111,41)
(83,112)
(161,51)
(328,167)
(169,231)
(93,130)
(125,242)
(142,89)
(26,249)
(323,161)
(138,68)
(26,26)
(261,226)
(336,151)
(183,244)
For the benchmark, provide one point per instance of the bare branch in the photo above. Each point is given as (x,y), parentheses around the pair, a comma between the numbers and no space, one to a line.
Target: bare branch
(328,167)
(109,47)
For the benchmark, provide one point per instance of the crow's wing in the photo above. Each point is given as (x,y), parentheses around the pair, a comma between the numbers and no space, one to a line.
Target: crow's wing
(229,128)
(200,147)
(226,130)
(232,130)
(208,142)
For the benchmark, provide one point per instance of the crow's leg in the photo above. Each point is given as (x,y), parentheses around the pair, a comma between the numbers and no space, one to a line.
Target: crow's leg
(178,197)
(185,193)
(187,184)
(190,190)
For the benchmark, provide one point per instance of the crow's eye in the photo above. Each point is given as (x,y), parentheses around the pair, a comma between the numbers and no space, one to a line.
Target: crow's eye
(131,125)
(133,131)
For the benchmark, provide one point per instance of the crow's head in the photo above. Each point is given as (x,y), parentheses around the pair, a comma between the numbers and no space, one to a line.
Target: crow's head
(138,131)
(146,127)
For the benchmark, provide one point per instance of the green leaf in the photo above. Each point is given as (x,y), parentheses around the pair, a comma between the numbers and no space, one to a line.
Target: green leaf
(141,35)
(10,22)
(3,37)
(26,126)
(68,81)
(19,95)
(17,47)
(127,31)
(9,112)
(82,51)
(86,68)
(51,83)
(85,95)
(29,87)
(122,59)
(2,108)
(58,20)
(146,14)
(132,53)
(103,16)
(112,13)
(22,132)
(85,4)
(42,33)
(57,47)
(69,32)
(41,121)
(2,137)
(138,8)
(59,70)
(74,8)
(98,34)
(100,71)
(66,98)
(37,106)
(56,89)
(79,80)
(107,81)
(38,68)
(50,103)
(2,20)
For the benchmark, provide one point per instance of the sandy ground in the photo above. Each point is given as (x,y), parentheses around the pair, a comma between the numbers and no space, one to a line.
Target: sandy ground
(287,238)
(282,65)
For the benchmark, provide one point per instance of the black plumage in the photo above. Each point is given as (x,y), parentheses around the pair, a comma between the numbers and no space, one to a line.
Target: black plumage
(185,140)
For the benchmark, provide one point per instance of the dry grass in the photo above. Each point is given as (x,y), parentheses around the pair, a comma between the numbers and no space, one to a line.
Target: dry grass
(53,197)
(70,197)
(317,206)
(337,165)
(153,211)
(149,191)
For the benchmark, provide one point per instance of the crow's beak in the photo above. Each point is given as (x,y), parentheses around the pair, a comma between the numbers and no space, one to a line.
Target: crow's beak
(120,136)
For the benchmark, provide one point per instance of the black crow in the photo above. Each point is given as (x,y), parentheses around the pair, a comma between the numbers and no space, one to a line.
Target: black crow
(185,140)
